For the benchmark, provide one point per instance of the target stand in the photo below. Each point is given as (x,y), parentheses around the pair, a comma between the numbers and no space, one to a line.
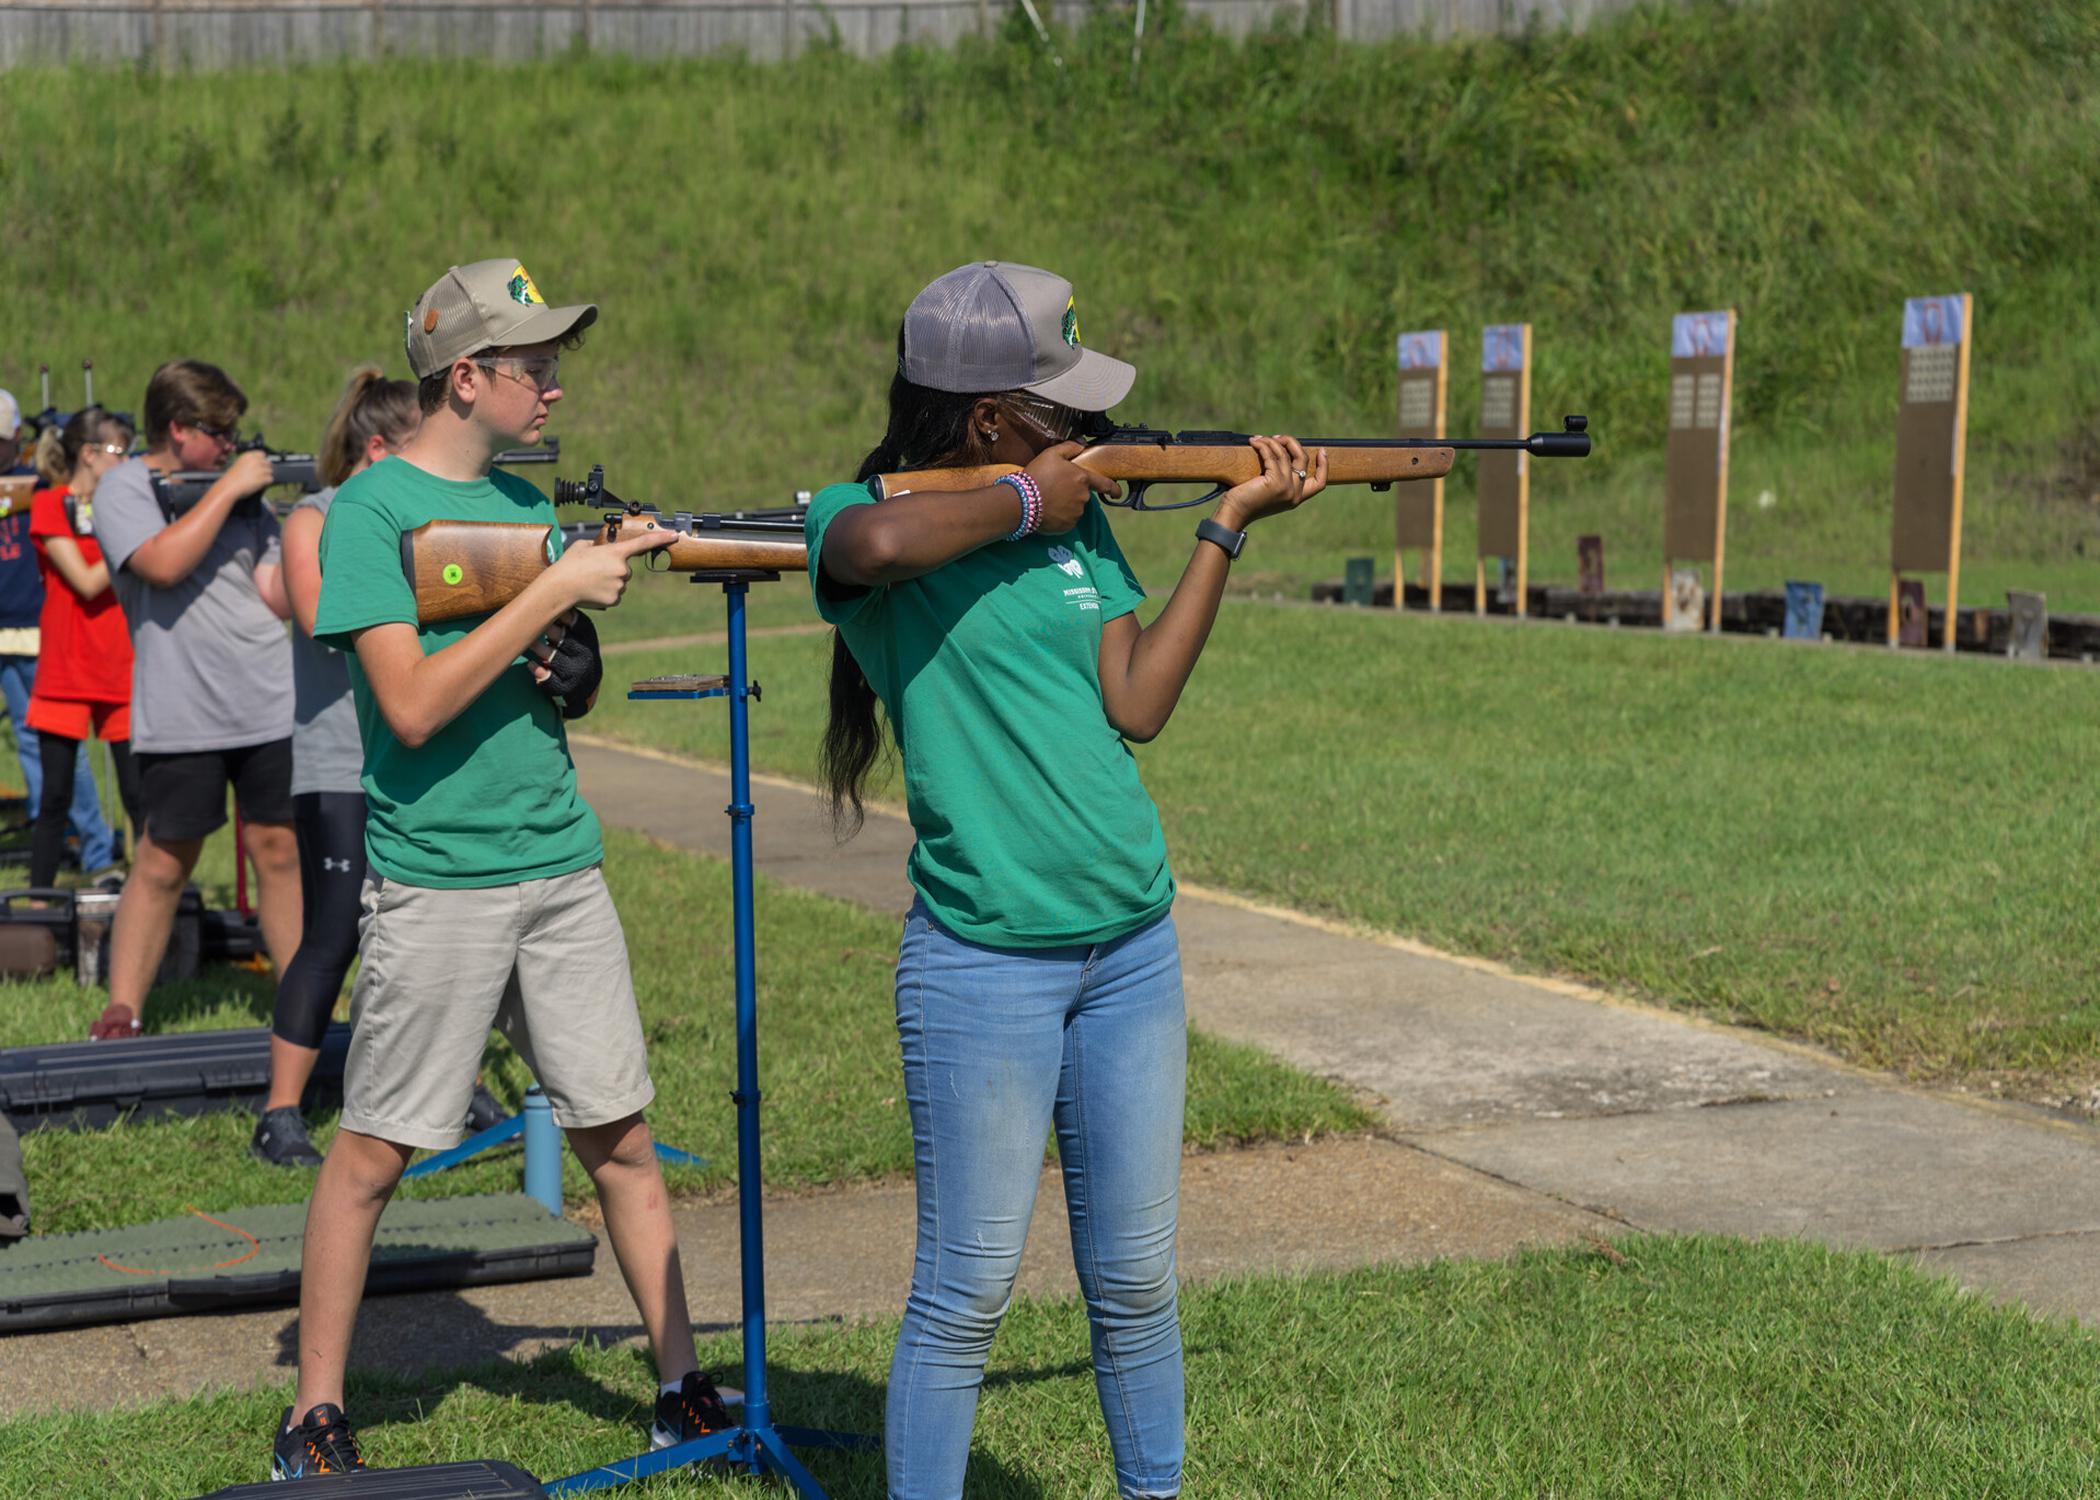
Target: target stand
(757,1444)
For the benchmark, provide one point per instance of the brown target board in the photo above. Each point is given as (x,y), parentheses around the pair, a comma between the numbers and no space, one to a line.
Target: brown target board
(1505,477)
(1695,485)
(1419,509)
(1931,439)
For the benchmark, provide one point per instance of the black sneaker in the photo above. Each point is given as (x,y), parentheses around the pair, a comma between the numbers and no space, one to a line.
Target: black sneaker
(484,1110)
(694,1410)
(322,1444)
(281,1140)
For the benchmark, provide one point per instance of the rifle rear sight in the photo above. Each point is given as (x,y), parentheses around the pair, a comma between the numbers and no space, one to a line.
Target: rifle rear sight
(591,490)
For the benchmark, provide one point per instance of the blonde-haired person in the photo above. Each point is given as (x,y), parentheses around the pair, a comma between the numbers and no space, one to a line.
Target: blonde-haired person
(374,417)
(21,604)
(83,680)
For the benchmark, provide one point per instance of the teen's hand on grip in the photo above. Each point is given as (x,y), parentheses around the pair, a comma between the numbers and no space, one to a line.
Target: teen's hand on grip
(250,473)
(1287,480)
(1065,486)
(595,574)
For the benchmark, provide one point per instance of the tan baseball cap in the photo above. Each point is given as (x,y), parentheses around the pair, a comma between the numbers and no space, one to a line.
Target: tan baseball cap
(998,326)
(480,306)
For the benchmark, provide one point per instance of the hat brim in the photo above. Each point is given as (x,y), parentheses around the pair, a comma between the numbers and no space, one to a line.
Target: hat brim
(548,325)
(1096,383)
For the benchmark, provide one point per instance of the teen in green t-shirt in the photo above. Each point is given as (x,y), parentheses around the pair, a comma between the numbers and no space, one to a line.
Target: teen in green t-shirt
(1038,978)
(485,903)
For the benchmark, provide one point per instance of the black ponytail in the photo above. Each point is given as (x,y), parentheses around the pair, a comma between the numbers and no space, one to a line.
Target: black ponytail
(926,428)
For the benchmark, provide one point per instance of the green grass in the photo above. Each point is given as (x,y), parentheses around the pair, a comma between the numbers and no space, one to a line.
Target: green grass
(834,1097)
(1885,854)
(1664,1367)
(1251,223)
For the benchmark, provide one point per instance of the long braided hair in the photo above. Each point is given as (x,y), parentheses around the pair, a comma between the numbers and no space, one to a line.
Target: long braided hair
(927,428)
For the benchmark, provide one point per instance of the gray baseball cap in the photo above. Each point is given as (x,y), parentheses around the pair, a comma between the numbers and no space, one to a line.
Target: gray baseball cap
(480,306)
(997,326)
(10,415)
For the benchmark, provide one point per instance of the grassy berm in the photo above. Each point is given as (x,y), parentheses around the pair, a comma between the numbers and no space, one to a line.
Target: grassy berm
(1251,223)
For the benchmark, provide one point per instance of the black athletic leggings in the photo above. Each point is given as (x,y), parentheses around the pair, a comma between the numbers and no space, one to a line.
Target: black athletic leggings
(331,831)
(59,755)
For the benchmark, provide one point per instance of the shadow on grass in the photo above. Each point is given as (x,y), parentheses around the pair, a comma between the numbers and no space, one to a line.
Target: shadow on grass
(617,1395)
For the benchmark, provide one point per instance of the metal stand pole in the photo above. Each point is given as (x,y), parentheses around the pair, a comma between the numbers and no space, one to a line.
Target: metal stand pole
(756,1445)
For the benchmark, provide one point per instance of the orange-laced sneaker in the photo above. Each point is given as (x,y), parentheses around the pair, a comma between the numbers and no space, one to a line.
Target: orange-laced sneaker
(322,1443)
(693,1410)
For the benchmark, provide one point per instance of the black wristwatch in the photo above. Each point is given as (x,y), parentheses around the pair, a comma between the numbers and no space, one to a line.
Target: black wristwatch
(1208,530)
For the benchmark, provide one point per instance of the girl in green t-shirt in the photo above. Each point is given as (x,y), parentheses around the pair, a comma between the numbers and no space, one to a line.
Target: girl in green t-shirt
(1038,978)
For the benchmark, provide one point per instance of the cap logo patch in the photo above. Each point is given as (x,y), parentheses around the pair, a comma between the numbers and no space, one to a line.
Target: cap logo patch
(522,290)
(1071,324)
(430,321)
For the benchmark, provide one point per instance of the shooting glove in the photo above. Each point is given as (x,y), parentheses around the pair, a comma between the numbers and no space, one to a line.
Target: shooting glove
(575,669)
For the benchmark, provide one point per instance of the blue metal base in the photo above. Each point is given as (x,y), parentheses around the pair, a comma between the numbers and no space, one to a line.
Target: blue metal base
(746,1450)
(509,1130)
(486,1140)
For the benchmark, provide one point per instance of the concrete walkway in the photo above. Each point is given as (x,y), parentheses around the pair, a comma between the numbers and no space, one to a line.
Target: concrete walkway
(1519,1112)
(1643,1117)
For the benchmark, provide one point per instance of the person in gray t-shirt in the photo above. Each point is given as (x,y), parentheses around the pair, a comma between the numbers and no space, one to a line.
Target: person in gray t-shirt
(203,597)
(373,419)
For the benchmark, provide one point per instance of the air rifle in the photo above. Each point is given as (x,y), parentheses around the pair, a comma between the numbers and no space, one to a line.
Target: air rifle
(459,568)
(1144,456)
(178,492)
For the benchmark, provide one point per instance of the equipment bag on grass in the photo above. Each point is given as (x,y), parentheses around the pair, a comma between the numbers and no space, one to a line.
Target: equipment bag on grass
(14,1185)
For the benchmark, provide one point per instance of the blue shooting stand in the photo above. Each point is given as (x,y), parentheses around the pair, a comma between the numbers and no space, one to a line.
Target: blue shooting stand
(756,1445)
(542,1150)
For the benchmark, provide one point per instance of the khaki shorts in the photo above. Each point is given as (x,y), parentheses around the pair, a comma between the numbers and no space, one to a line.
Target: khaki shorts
(545,960)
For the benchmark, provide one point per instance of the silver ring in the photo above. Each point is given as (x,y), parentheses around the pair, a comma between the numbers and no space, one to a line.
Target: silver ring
(1299,472)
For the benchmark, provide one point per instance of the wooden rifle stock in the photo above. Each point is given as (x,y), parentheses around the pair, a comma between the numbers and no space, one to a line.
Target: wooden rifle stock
(1217,464)
(460,568)
(1141,457)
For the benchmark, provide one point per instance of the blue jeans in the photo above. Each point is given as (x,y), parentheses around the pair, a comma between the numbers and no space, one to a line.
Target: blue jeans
(1000,1044)
(97,844)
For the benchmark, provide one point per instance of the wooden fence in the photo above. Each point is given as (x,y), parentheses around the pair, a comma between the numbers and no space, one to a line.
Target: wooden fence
(259,33)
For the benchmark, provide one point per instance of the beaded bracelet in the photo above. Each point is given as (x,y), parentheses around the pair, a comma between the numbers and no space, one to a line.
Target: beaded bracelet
(1023,484)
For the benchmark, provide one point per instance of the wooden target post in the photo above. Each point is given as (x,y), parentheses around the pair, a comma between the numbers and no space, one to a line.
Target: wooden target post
(1419,508)
(1695,485)
(1505,476)
(1931,442)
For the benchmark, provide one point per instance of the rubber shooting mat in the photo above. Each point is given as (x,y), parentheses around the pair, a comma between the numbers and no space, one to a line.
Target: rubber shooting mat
(206,1262)
(474,1481)
(83,1085)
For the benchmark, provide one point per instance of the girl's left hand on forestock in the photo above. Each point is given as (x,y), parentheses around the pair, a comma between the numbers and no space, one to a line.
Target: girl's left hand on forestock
(1287,480)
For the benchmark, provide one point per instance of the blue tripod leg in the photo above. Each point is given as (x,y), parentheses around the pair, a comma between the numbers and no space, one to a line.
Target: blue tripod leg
(473,1145)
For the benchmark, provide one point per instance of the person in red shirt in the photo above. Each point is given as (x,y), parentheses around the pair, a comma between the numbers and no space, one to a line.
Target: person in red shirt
(83,683)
